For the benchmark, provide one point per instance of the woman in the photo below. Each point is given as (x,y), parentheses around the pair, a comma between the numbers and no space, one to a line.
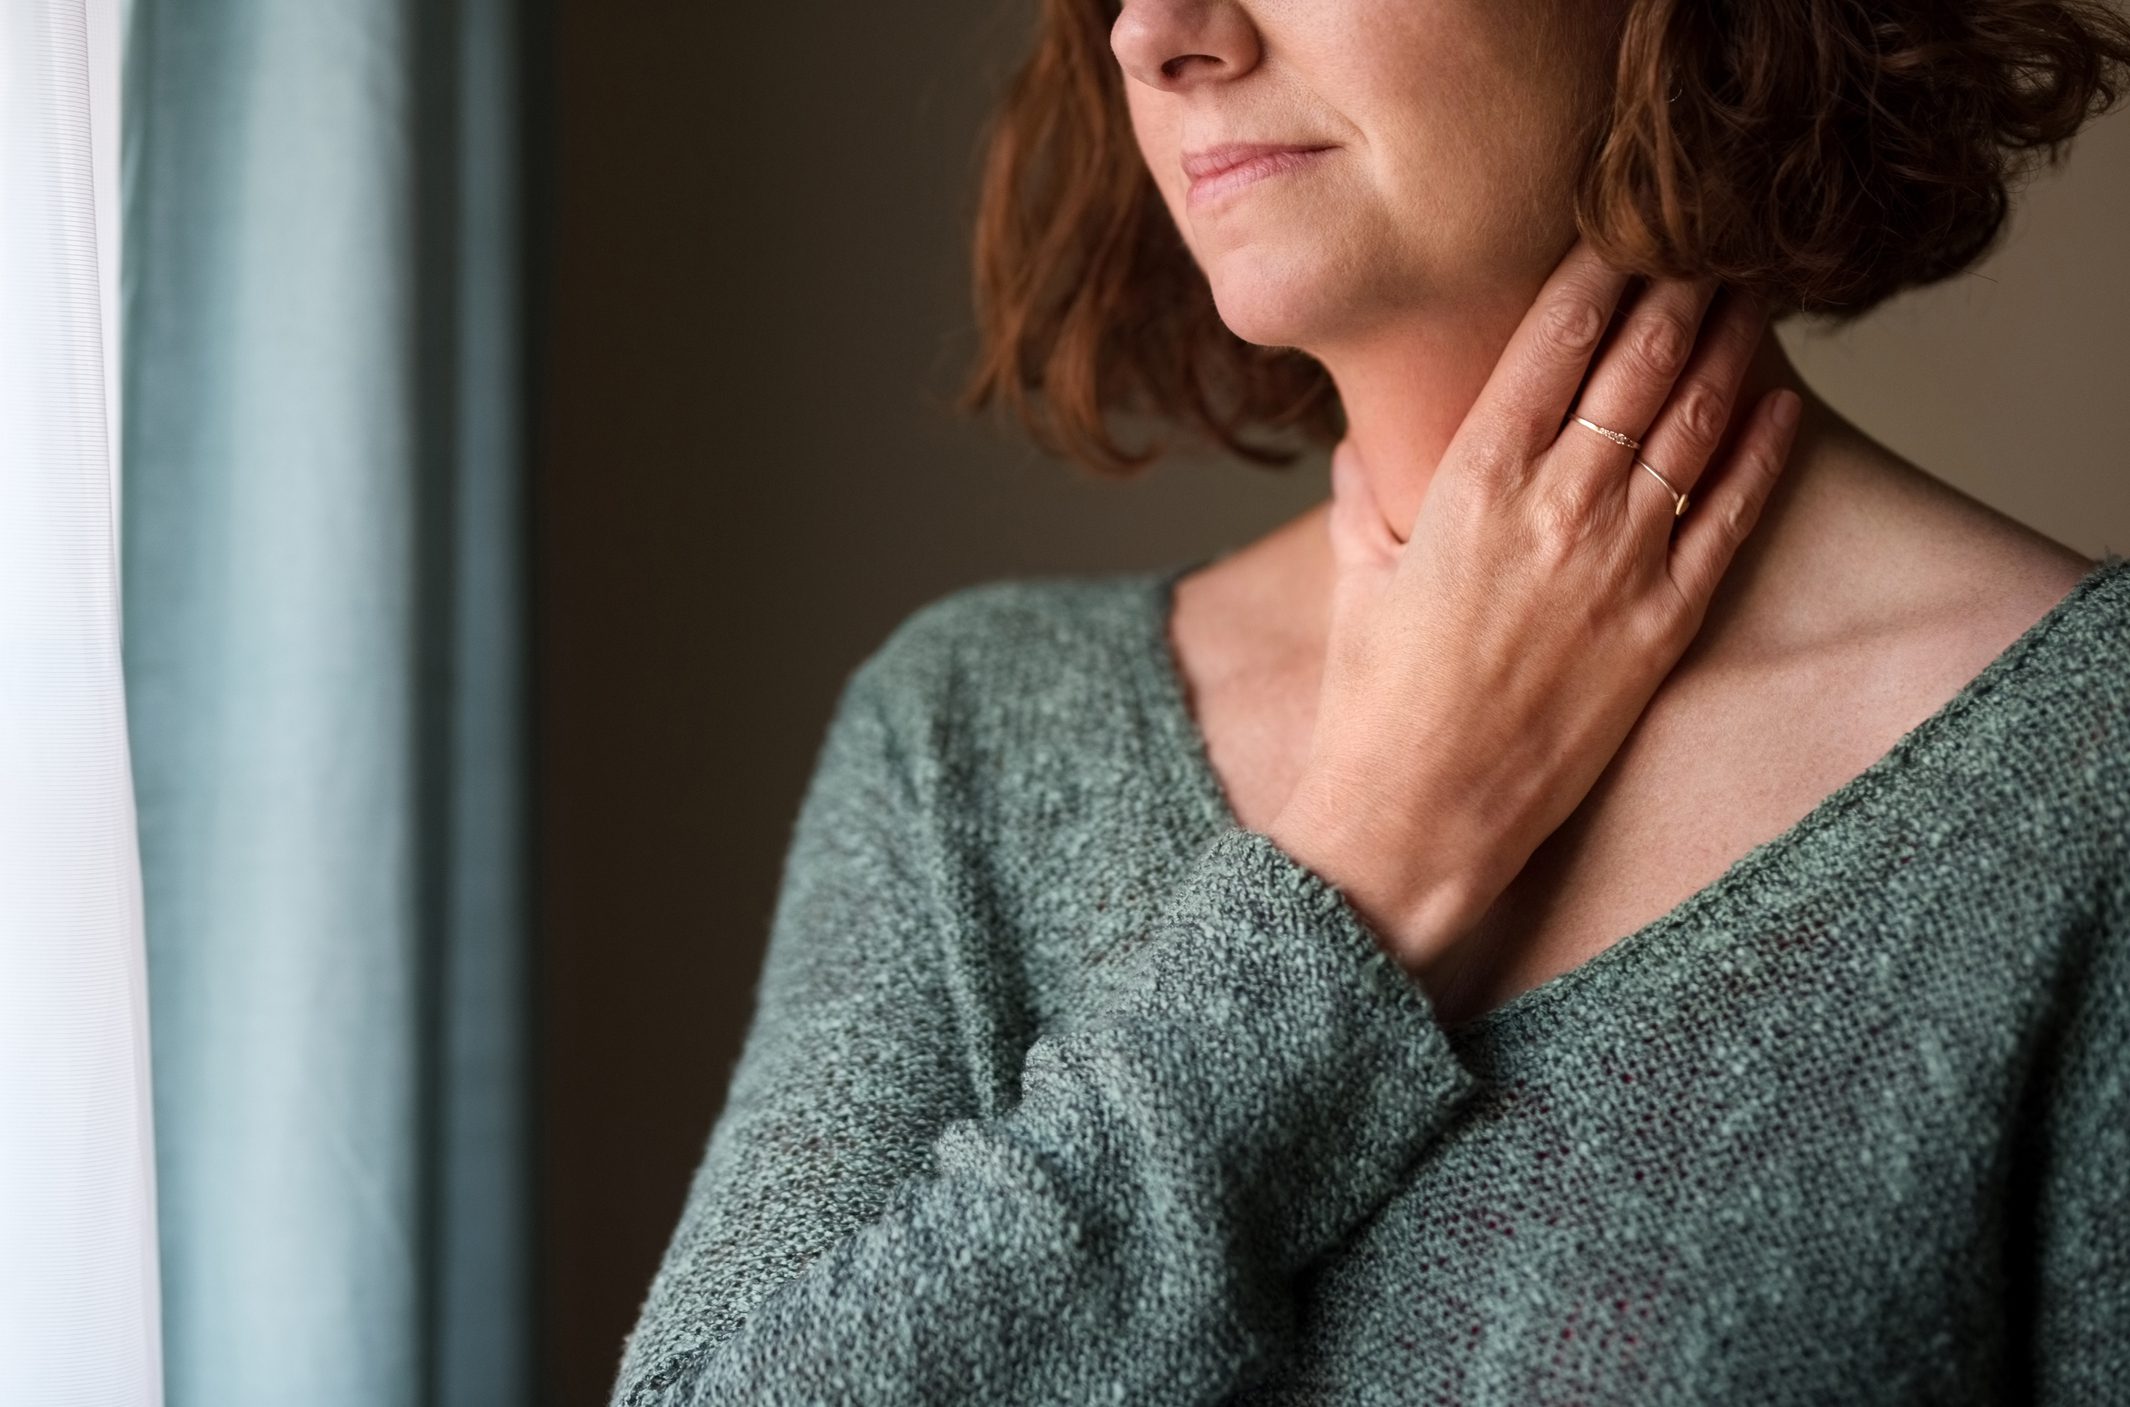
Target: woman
(1206,985)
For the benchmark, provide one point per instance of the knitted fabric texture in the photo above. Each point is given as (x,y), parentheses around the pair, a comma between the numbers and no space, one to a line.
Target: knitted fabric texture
(1064,1087)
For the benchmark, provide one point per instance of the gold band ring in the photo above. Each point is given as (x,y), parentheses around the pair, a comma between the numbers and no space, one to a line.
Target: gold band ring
(1613,435)
(1678,499)
(1679,504)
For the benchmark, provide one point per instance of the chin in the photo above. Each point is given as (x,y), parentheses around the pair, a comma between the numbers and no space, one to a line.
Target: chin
(1275,302)
(1299,282)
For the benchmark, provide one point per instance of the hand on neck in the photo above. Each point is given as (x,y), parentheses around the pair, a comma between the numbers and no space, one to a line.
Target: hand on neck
(1407,395)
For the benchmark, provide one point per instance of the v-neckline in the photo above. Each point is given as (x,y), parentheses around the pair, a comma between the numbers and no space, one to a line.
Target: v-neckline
(1162,679)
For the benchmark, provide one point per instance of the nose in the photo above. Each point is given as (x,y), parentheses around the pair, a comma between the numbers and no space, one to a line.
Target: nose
(1176,44)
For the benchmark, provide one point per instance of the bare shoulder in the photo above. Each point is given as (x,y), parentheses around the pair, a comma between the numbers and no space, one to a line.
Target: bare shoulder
(1933,578)
(1871,594)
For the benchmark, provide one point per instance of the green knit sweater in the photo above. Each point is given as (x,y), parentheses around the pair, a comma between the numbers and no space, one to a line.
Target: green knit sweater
(1064,1087)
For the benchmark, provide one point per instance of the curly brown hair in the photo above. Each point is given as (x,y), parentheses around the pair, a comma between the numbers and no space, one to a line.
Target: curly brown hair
(1825,154)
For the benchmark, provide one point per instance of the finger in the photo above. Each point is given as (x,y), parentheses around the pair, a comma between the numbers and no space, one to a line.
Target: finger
(1712,530)
(1527,395)
(1635,374)
(1360,534)
(1694,422)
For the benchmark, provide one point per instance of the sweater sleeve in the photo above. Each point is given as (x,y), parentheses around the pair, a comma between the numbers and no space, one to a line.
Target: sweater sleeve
(2081,1347)
(1255,1078)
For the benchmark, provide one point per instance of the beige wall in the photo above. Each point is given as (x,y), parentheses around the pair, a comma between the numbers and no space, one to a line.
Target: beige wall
(758,305)
(2010,381)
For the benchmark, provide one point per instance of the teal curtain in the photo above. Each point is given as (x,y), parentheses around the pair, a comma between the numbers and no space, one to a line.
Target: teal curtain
(324,510)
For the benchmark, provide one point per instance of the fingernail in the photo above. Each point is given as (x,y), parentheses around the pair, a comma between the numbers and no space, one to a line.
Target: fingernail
(1785,408)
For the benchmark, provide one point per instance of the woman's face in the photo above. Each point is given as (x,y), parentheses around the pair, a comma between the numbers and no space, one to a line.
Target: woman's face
(1452,133)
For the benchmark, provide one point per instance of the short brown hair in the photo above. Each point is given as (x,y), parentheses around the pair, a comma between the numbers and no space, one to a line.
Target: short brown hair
(1825,154)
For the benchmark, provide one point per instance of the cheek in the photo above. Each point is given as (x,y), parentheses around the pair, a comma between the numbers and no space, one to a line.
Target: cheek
(1477,171)
(1465,124)
(1154,129)
(1158,141)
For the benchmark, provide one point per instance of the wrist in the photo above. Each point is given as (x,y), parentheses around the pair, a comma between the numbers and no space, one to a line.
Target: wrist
(1410,889)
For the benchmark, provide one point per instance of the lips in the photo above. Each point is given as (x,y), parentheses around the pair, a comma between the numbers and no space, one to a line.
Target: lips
(1215,170)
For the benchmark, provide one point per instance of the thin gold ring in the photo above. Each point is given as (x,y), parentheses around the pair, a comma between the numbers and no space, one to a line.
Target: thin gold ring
(1613,435)
(1678,508)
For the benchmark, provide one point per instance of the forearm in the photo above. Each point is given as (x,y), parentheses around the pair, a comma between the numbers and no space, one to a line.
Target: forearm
(1256,1077)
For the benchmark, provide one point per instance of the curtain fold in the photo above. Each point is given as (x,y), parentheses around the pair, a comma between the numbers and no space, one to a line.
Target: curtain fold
(325,643)
(78,1288)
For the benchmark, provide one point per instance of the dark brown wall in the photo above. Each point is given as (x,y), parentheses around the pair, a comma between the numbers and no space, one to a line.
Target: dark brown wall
(746,480)
(757,306)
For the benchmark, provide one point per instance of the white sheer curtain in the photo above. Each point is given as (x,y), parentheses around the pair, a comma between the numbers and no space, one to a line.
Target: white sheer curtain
(79,1310)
